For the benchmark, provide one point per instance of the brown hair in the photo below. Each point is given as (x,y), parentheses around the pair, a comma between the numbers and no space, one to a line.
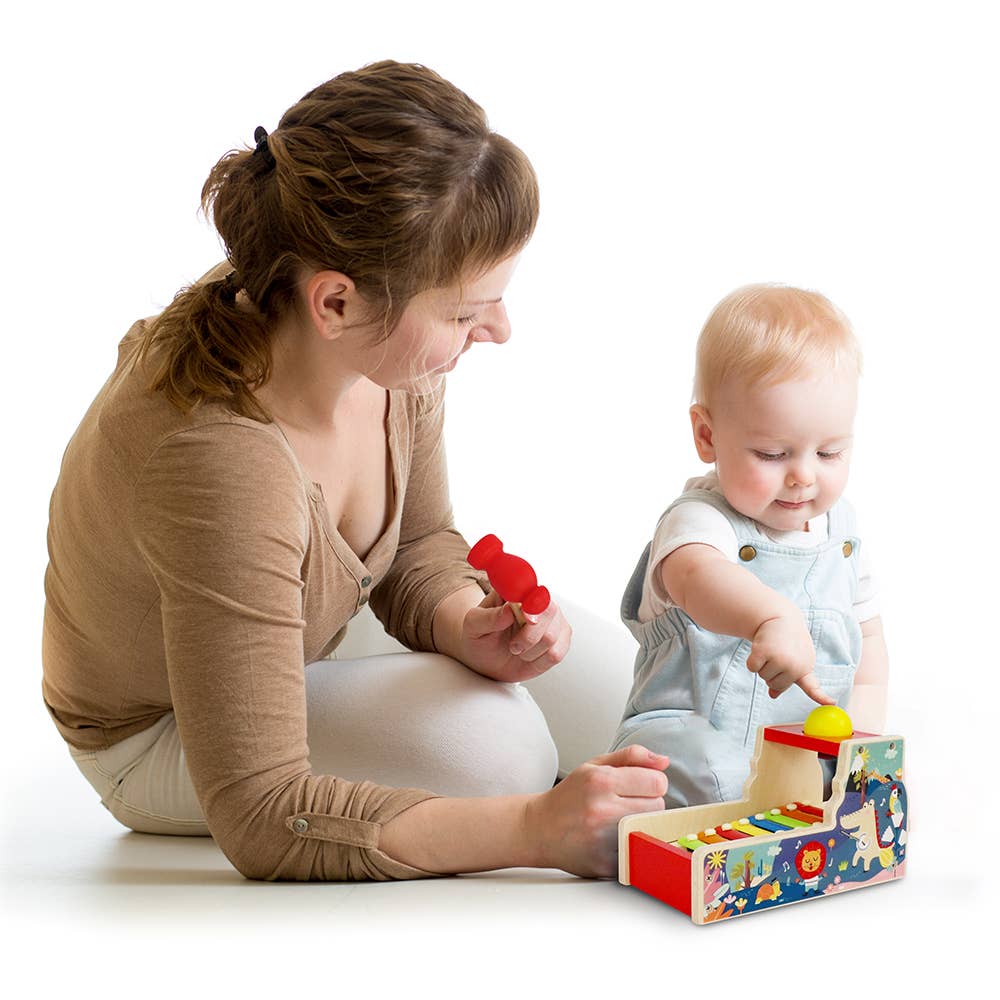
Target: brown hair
(390,175)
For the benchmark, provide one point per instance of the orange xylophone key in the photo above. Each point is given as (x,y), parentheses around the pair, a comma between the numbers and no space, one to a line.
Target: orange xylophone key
(802,812)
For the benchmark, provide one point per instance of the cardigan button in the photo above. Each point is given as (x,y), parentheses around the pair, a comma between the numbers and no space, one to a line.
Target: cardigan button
(300,825)
(366,581)
(747,553)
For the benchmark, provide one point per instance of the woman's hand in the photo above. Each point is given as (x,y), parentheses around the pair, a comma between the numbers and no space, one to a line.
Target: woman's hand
(483,634)
(576,822)
(573,826)
(493,644)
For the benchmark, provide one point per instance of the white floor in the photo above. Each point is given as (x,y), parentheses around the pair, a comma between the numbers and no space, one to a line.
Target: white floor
(86,902)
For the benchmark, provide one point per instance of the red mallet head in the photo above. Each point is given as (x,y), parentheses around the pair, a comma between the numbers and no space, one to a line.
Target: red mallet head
(512,577)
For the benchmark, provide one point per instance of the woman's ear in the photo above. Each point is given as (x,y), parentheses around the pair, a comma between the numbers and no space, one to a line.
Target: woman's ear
(331,302)
(701,427)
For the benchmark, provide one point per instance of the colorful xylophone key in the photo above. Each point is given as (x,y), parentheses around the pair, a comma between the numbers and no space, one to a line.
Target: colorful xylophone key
(793,816)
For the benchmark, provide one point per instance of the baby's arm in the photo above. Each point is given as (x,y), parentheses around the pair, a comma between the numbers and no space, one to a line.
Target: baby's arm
(867,705)
(723,597)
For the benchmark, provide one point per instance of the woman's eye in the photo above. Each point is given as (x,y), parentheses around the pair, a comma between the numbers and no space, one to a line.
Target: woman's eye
(769,456)
(465,320)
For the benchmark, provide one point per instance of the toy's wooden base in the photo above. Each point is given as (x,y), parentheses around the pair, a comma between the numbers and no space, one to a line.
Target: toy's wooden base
(710,862)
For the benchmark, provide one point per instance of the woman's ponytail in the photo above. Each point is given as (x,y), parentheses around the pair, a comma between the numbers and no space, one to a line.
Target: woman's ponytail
(206,345)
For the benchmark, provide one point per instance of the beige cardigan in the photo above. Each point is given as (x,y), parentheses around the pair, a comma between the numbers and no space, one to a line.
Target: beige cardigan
(193,568)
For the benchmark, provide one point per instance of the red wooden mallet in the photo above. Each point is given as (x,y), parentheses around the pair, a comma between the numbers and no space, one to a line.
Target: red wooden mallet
(511,576)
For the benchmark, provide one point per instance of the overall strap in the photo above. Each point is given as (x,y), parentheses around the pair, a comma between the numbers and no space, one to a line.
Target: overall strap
(842,523)
(743,527)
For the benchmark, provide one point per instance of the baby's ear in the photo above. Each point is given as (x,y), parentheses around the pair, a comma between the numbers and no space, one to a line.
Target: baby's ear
(701,427)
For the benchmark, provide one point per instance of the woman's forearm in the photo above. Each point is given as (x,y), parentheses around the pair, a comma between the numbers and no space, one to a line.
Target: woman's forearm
(452,835)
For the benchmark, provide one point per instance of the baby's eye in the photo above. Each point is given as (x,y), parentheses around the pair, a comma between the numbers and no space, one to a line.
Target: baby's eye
(829,456)
(770,456)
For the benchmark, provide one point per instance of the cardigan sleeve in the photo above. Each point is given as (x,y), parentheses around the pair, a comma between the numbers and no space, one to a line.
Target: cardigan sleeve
(430,561)
(221,518)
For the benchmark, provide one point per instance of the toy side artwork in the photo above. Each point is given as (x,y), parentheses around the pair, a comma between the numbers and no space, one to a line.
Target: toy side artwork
(772,847)
(865,844)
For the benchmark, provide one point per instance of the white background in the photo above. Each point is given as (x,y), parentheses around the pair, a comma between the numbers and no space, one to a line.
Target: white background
(682,149)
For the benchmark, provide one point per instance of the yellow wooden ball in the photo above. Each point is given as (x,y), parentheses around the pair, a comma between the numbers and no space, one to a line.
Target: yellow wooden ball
(828,722)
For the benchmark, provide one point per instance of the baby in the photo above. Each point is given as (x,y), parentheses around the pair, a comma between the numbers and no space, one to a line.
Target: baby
(754,600)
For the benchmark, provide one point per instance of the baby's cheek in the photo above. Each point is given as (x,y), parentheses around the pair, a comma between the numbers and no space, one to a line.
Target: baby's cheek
(760,482)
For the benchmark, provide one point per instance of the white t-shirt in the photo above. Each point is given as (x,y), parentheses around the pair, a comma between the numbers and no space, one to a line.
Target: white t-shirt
(700,522)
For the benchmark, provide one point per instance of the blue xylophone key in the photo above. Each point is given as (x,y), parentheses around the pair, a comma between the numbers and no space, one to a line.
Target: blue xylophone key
(767,824)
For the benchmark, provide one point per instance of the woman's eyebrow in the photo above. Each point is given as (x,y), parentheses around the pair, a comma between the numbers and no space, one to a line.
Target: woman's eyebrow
(476,302)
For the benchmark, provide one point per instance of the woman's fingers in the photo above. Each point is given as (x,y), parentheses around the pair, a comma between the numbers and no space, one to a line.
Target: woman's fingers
(633,772)
(546,635)
(483,621)
(643,805)
(641,783)
(538,631)
(633,755)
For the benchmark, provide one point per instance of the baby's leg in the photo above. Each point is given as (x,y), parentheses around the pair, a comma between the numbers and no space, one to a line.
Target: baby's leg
(705,764)
(582,697)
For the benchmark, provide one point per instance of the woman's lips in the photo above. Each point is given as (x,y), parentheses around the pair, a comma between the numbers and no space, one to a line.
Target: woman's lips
(454,361)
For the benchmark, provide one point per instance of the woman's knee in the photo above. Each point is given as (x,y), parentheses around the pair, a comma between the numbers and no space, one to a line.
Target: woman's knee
(425,720)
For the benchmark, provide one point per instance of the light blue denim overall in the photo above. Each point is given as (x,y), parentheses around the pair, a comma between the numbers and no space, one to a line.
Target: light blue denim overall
(693,697)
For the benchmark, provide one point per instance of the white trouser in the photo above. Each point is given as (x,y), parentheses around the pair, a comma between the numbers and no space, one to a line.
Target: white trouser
(404,719)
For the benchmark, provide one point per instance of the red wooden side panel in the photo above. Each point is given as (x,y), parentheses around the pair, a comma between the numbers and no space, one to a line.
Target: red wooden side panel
(660,870)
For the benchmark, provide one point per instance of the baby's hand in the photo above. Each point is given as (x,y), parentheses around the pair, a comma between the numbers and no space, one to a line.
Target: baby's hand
(782,654)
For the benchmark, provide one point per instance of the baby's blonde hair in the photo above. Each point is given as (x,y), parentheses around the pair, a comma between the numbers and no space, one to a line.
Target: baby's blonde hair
(769,334)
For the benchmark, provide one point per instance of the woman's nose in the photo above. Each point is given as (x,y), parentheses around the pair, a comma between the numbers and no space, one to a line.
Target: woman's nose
(495,327)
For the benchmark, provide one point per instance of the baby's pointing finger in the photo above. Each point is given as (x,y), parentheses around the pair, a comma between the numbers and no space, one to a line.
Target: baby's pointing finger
(810,684)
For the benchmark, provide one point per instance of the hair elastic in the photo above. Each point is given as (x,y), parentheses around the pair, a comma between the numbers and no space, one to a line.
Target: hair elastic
(262,148)
(231,284)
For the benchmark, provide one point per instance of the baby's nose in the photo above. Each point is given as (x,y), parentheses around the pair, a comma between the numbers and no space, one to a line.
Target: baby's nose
(800,474)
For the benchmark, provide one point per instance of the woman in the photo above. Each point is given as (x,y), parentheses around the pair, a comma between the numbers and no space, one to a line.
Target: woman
(266,457)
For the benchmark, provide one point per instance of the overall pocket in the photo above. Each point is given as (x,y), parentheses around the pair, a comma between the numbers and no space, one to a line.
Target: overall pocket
(733,708)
